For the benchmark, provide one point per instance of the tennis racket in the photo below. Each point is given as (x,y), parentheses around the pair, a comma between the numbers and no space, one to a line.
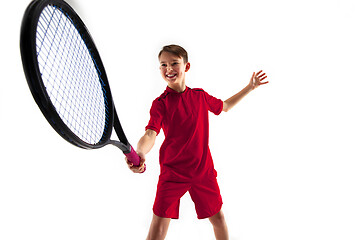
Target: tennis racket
(67,78)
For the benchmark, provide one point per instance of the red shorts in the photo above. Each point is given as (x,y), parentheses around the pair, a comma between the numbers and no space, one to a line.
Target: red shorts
(205,194)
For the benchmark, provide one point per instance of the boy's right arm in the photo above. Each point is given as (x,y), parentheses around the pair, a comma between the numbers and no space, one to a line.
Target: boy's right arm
(144,146)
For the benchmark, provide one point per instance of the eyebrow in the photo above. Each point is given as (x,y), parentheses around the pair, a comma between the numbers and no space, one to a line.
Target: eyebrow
(171,61)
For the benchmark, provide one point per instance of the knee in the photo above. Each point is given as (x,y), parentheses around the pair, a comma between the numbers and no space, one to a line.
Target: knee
(218,219)
(157,233)
(158,228)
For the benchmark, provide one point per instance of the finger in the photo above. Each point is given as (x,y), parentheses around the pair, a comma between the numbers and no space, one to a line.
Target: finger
(263,78)
(264,83)
(127,161)
(262,75)
(259,72)
(139,169)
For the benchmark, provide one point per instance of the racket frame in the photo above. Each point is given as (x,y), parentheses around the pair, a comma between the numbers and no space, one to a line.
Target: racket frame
(36,85)
(38,89)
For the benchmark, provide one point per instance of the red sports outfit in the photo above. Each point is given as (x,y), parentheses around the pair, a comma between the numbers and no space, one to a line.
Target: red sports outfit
(185,159)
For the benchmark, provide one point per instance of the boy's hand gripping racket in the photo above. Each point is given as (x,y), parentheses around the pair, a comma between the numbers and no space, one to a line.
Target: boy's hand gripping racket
(67,78)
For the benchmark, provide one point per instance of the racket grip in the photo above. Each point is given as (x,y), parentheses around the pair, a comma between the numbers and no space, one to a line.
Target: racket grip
(133,157)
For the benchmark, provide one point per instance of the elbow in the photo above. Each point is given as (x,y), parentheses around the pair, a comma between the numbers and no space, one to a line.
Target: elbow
(151,133)
(226,107)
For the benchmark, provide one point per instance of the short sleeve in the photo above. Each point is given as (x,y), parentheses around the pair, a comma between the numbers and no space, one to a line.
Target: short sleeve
(215,105)
(156,116)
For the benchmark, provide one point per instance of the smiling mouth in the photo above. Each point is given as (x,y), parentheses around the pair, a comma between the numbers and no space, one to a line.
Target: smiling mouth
(171,76)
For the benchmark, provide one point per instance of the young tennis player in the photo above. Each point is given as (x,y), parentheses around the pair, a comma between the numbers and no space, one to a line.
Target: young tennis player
(185,161)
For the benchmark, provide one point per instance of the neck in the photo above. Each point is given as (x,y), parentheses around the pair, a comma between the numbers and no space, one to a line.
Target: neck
(178,87)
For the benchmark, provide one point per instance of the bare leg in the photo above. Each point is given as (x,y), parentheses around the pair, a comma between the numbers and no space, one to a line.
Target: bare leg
(158,228)
(220,227)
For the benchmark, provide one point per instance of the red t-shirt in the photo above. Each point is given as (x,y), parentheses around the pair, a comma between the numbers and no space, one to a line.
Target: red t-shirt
(184,155)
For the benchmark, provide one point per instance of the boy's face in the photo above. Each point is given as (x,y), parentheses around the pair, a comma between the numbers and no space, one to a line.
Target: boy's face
(172,69)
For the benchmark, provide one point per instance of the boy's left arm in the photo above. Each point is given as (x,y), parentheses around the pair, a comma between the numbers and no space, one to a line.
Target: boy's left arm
(255,81)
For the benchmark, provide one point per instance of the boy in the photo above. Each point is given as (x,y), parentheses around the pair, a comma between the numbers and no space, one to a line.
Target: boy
(185,159)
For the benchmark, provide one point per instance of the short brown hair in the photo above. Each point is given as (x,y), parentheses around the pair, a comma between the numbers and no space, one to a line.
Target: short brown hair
(176,50)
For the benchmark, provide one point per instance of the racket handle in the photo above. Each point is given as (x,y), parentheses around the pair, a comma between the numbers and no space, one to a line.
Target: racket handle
(134,158)
(129,152)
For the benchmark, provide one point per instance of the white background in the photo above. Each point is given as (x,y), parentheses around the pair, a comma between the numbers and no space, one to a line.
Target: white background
(287,156)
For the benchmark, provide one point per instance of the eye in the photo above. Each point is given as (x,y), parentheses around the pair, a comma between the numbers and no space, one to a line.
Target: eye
(163,65)
(175,63)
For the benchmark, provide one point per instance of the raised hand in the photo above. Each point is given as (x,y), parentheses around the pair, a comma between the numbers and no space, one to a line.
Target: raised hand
(257,80)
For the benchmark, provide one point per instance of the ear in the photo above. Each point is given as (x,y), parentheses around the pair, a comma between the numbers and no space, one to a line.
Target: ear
(187,67)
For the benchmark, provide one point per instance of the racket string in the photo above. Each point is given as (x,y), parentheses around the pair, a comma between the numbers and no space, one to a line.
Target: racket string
(71,77)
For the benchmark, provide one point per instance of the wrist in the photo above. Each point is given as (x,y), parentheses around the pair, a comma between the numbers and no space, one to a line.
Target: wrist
(140,153)
(249,88)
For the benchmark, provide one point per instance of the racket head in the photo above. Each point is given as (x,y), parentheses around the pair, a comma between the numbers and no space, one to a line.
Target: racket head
(58,67)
